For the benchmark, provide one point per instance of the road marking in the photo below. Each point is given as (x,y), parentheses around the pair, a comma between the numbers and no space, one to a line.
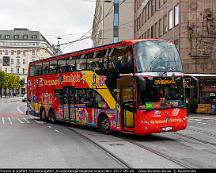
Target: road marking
(3,120)
(49,127)
(18,109)
(20,121)
(56,131)
(10,121)
(26,120)
(39,122)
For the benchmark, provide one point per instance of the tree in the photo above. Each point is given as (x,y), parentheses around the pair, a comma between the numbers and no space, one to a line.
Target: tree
(2,81)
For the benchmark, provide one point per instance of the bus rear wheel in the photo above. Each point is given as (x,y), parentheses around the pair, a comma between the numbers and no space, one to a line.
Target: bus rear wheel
(42,115)
(104,124)
(52,116)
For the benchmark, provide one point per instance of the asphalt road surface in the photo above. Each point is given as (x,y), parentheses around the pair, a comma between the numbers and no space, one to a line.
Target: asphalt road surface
(26,142)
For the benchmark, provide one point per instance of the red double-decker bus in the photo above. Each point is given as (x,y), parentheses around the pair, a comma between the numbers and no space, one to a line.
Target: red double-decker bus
(134,86)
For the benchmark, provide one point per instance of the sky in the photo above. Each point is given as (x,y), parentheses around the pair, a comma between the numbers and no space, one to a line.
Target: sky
(69,19)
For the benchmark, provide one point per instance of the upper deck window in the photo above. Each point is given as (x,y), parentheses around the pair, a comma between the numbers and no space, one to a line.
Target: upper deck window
(157,56)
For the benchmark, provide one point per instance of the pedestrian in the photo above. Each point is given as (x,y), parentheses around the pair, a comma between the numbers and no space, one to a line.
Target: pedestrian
(213,106)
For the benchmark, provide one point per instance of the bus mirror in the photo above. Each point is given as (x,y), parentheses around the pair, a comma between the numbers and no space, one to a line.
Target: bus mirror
(141,83)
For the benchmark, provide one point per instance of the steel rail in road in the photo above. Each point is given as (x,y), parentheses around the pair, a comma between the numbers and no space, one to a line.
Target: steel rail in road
(195,139)
(112,155)
(160,154)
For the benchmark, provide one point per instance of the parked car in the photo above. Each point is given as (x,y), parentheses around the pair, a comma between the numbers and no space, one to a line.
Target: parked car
(24,98)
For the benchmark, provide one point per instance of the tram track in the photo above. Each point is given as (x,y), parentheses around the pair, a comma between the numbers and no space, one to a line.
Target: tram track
(194,139)
(159,154)
(110,154)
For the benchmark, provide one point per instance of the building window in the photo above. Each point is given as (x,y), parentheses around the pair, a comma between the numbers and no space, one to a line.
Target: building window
(18,71)
(23,71)
(33,52)
(152,7)
(25,37)
(18,61)
(160,3)
(165,24)
(24,61)
(12,52)
(5,70)
(16,36)
(152,31)
(12,61)
(7,36)
(156,30)
(18,52)
(170,19)
(34,37)
(177,15)
(0,52)
(149,10)
(160,28)
(6,61)
(6,52)
(156,5)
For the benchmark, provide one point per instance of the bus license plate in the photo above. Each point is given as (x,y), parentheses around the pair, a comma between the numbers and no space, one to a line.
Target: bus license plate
(166,129)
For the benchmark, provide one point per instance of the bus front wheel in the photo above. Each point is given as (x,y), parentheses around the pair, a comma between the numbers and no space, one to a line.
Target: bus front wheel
(104,124)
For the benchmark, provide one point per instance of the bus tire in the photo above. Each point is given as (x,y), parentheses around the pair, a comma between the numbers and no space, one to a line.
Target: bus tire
(104,124)
(42,115)
(52,116)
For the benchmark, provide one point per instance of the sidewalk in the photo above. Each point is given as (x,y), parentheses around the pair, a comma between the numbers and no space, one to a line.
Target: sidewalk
(203,116)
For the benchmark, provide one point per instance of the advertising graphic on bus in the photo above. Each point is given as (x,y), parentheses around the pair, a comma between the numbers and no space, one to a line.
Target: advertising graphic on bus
(134,86)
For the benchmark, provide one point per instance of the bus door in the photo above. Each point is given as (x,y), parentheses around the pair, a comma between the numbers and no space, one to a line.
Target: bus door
(68,104)
(127,102)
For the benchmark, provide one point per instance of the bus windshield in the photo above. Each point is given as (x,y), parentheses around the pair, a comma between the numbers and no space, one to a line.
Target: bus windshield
(157,56)
(166,92)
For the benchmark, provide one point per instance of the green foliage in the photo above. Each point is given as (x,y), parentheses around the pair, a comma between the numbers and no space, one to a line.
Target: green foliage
(9,80)
(2,78)
(22,82)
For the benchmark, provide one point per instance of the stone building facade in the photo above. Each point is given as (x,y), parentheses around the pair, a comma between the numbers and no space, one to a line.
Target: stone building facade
(103,24)
(20,46)
(191,25)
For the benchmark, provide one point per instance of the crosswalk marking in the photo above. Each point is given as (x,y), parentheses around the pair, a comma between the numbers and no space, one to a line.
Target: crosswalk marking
(10,121)
(26,120)
(3,121)
(20,121)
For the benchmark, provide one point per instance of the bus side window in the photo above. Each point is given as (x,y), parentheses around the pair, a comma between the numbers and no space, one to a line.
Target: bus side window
(91,64)
(53,67)
(81,62)
(127,61)
(32,70)
(71,64)
(61,64)
(46,68)
(38,69)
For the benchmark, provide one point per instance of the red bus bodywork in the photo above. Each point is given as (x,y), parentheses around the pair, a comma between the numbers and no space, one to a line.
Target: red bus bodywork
(41,96)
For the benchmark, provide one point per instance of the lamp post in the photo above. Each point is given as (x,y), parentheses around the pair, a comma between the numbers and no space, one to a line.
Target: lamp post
(58,46)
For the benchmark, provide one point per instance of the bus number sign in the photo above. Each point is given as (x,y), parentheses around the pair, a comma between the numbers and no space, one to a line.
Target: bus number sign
(164,82)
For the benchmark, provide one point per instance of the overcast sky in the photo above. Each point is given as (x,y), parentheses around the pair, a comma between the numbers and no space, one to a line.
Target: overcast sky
(69,19)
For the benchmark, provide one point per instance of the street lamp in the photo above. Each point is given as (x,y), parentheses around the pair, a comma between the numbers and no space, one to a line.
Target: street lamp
(58,45)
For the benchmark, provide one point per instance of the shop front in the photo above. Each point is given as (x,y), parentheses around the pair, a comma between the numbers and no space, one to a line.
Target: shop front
(200,91)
